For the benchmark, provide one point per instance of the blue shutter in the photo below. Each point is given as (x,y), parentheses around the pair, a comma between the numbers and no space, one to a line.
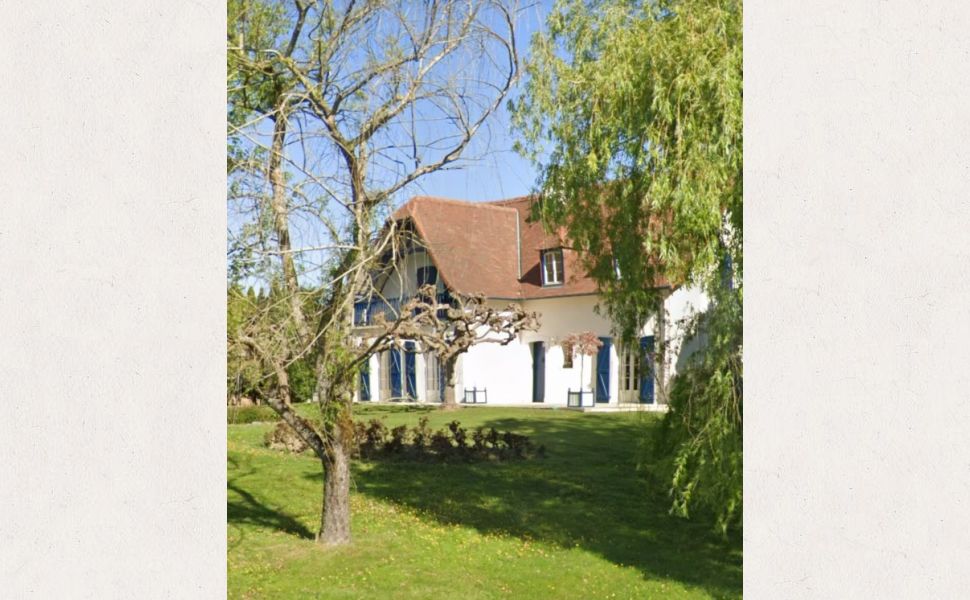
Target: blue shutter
(646,370)
(365,381)
(603,370)
(395,372)
(411,386)
(441,380)
(727,271)
(538,372)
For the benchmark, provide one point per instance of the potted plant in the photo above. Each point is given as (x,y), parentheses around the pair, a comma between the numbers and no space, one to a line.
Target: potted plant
(584,343)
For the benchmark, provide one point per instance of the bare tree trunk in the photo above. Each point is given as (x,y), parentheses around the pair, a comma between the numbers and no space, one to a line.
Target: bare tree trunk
(283,383)
(449,400)
(279,204)
(282,377)
(335,520)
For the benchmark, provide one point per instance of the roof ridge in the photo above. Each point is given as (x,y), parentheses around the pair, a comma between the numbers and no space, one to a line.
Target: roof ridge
(512,200)
(454,201)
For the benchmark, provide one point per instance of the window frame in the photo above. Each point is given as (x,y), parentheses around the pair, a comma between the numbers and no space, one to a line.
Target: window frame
(432,373)
(561,271)
(423,270)
(630,368)
(385,374)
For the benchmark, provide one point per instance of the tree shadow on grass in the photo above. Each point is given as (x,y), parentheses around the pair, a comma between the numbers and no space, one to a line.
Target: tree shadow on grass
(248,509)
(586,493)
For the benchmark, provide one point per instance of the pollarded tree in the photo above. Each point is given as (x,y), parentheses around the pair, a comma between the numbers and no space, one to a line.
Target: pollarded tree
(450,329)
(344,106)
(632,112)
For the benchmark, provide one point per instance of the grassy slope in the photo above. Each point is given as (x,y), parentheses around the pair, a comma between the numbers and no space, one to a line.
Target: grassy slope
(578,524)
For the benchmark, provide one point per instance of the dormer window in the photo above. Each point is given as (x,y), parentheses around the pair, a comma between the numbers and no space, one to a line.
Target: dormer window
(552,267)
(427,276)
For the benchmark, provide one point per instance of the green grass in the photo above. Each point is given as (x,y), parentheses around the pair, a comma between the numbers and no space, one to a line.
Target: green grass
(578,524)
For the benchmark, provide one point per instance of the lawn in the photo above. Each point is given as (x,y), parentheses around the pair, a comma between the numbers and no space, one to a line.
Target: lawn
(579,523)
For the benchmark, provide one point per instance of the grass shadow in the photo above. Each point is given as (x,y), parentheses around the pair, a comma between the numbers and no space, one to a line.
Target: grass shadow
(586,493)
(247,509)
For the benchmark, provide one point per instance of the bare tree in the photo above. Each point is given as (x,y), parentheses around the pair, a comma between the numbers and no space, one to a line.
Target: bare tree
(354,103)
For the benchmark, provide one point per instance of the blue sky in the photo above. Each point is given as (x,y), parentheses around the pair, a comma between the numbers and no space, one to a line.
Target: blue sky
(490,169)
(502,173)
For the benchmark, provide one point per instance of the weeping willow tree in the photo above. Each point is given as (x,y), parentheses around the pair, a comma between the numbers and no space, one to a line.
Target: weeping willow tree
(632,112)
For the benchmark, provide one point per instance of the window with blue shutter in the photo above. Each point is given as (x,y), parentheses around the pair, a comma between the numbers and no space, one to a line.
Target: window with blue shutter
(646,372)
(441,382)
(410,375)
(603,370)
(395,372)
(538,371)
(365,381)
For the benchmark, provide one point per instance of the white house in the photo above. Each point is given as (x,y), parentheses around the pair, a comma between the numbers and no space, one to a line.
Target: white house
(492,248)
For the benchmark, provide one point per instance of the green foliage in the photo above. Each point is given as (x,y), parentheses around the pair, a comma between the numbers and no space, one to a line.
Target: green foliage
(254,30)
(633,112)
(700,442)
(239,415)
(265,318)
(303,380)
(245,376)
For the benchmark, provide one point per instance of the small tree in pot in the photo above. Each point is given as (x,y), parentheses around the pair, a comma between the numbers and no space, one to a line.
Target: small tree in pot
(584,343)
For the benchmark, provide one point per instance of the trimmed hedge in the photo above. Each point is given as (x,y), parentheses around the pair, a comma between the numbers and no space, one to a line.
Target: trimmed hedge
(373,440)
(250,414)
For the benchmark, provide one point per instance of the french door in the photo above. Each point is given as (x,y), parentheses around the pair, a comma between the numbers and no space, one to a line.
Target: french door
(630,374)
(433,377)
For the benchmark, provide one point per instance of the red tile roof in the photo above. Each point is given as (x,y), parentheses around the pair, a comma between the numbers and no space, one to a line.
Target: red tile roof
(476,247)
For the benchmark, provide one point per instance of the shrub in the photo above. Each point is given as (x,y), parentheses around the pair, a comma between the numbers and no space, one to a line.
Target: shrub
(421,435)
(284,438)
(492,437)
(458,434)
(399,438)
(516,444)
(373,437)
(375,440)
(251,414)
(303,380)
(478,440)
(441,444)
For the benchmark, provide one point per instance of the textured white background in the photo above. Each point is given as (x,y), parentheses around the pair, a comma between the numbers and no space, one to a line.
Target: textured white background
(857,299)
(112,288)
(112,253)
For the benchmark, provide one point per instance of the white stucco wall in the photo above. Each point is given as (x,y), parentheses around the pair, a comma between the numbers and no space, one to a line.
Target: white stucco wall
(506,371)
(682,303)
(561,317)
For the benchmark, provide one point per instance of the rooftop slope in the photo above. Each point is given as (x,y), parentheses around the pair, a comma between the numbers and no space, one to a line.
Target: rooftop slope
(475,246)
